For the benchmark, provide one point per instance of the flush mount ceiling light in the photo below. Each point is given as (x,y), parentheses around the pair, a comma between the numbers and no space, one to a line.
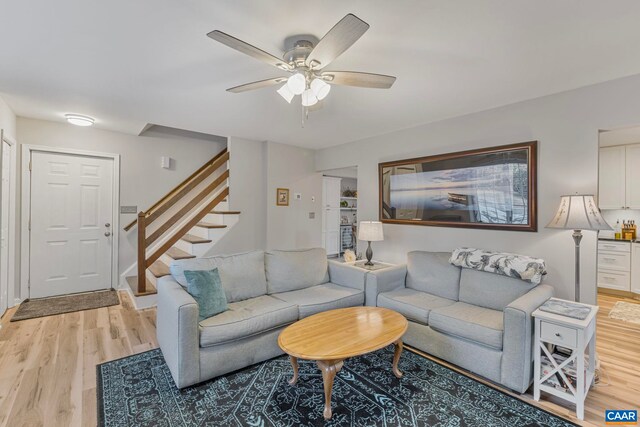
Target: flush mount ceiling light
(79,119)
(306,61)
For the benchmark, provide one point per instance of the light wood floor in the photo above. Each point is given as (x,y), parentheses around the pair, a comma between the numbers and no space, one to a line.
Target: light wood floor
(47,365)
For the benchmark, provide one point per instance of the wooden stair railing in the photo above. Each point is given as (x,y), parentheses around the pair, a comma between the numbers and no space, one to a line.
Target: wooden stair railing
(180,192)
(183,188)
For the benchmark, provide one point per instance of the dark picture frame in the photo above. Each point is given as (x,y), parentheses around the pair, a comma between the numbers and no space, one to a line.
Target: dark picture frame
(489,188)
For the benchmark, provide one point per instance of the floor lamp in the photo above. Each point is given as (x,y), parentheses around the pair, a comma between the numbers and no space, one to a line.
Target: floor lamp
(578,212)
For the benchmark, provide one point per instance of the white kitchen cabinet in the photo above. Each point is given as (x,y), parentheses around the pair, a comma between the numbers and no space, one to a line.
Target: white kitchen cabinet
(612,178)
(632,172)
(618,177)
(615,265)
(331,215)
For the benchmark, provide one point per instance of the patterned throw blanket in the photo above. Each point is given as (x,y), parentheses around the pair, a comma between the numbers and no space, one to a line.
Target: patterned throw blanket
(518,266)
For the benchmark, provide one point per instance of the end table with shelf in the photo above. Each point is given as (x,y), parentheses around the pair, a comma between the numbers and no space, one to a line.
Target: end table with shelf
(377,265)
(576,335)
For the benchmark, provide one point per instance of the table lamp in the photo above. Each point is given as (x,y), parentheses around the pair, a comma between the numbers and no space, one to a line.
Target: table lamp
(578,212)
(371,231)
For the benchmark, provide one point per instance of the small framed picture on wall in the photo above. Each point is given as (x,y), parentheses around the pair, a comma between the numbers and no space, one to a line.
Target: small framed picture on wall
(282,197)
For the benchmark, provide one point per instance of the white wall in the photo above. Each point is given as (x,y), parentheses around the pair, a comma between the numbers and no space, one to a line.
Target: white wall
(289,227)
(142,180)
(257,169)
(566,125)
(247,193)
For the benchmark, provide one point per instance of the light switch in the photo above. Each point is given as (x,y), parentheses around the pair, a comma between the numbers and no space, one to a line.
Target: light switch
(165,162)
(312,215)
(297,196)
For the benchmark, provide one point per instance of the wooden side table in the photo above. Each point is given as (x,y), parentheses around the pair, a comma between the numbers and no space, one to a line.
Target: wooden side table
(577,335)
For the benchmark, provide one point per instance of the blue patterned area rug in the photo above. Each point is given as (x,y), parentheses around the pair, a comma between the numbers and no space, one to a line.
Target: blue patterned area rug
(139,391)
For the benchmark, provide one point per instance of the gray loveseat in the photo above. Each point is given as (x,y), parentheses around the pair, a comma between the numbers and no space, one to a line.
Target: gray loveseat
(266,291)
(477,320)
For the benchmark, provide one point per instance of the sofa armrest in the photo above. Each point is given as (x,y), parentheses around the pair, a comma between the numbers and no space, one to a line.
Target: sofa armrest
(383,281)
(177,331)
(518,338)
(346,275)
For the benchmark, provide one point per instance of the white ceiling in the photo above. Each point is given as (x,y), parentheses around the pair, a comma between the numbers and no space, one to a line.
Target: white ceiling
(129,63)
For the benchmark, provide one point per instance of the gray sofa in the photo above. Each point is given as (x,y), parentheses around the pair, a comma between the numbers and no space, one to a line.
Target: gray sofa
(477,320)
(266,291)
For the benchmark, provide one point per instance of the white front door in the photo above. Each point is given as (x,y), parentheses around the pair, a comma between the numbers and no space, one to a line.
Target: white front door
(7,210)
(71,217)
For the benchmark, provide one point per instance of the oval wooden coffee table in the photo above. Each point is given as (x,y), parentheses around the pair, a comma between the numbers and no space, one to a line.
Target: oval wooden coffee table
(335,335)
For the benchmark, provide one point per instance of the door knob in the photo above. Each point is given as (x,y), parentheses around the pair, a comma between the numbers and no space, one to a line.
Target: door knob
(107,225)
(107,233)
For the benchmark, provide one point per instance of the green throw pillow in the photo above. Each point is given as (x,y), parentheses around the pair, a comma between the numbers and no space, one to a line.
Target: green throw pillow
(206,288)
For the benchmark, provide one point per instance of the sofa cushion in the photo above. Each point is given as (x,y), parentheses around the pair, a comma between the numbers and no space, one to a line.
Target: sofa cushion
(205,287)
(490,290)
(478,324)
(412,304)
(293,270)
(431,272)
(242,275)
(177,267)
(246,318)
(322,298)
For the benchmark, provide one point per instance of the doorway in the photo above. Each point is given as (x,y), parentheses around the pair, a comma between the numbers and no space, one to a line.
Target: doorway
(7,221)
(340,211)
(72,221)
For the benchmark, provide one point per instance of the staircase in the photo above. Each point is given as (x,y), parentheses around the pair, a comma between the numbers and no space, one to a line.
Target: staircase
(185,223)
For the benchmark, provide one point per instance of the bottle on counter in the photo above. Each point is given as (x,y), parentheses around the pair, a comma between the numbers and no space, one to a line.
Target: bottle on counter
(617,231)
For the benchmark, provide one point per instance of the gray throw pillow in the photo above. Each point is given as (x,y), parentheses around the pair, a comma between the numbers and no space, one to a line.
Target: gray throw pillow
(206,288)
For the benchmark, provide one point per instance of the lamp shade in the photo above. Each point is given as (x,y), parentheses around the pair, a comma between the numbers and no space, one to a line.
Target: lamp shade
(578,212)
(286,93)
(370,231)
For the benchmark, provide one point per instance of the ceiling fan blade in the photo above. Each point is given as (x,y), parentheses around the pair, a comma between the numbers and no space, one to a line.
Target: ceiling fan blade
(248,49)
(257,85)
(354,78)
(345,33)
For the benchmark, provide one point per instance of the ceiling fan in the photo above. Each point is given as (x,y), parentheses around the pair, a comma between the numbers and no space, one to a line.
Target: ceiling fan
(306,62)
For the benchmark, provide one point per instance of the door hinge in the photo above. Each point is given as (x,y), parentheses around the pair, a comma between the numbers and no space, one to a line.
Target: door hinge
(29,224)
(29,165)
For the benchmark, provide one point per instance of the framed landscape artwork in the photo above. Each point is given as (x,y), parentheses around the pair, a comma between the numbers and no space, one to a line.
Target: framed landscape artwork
(493,188)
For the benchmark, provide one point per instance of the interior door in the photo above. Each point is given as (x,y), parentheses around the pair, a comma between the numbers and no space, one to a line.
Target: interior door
(71,217)
(6,211)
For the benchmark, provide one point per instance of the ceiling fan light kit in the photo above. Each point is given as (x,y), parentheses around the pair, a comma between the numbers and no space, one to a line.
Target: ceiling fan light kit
(320,88)
(286,93)
(306,62)
(297,83)
(309,98)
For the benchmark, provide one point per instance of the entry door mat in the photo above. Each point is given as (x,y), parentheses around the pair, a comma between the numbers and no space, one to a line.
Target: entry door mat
(139,391)
(41,307)
(626,311)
